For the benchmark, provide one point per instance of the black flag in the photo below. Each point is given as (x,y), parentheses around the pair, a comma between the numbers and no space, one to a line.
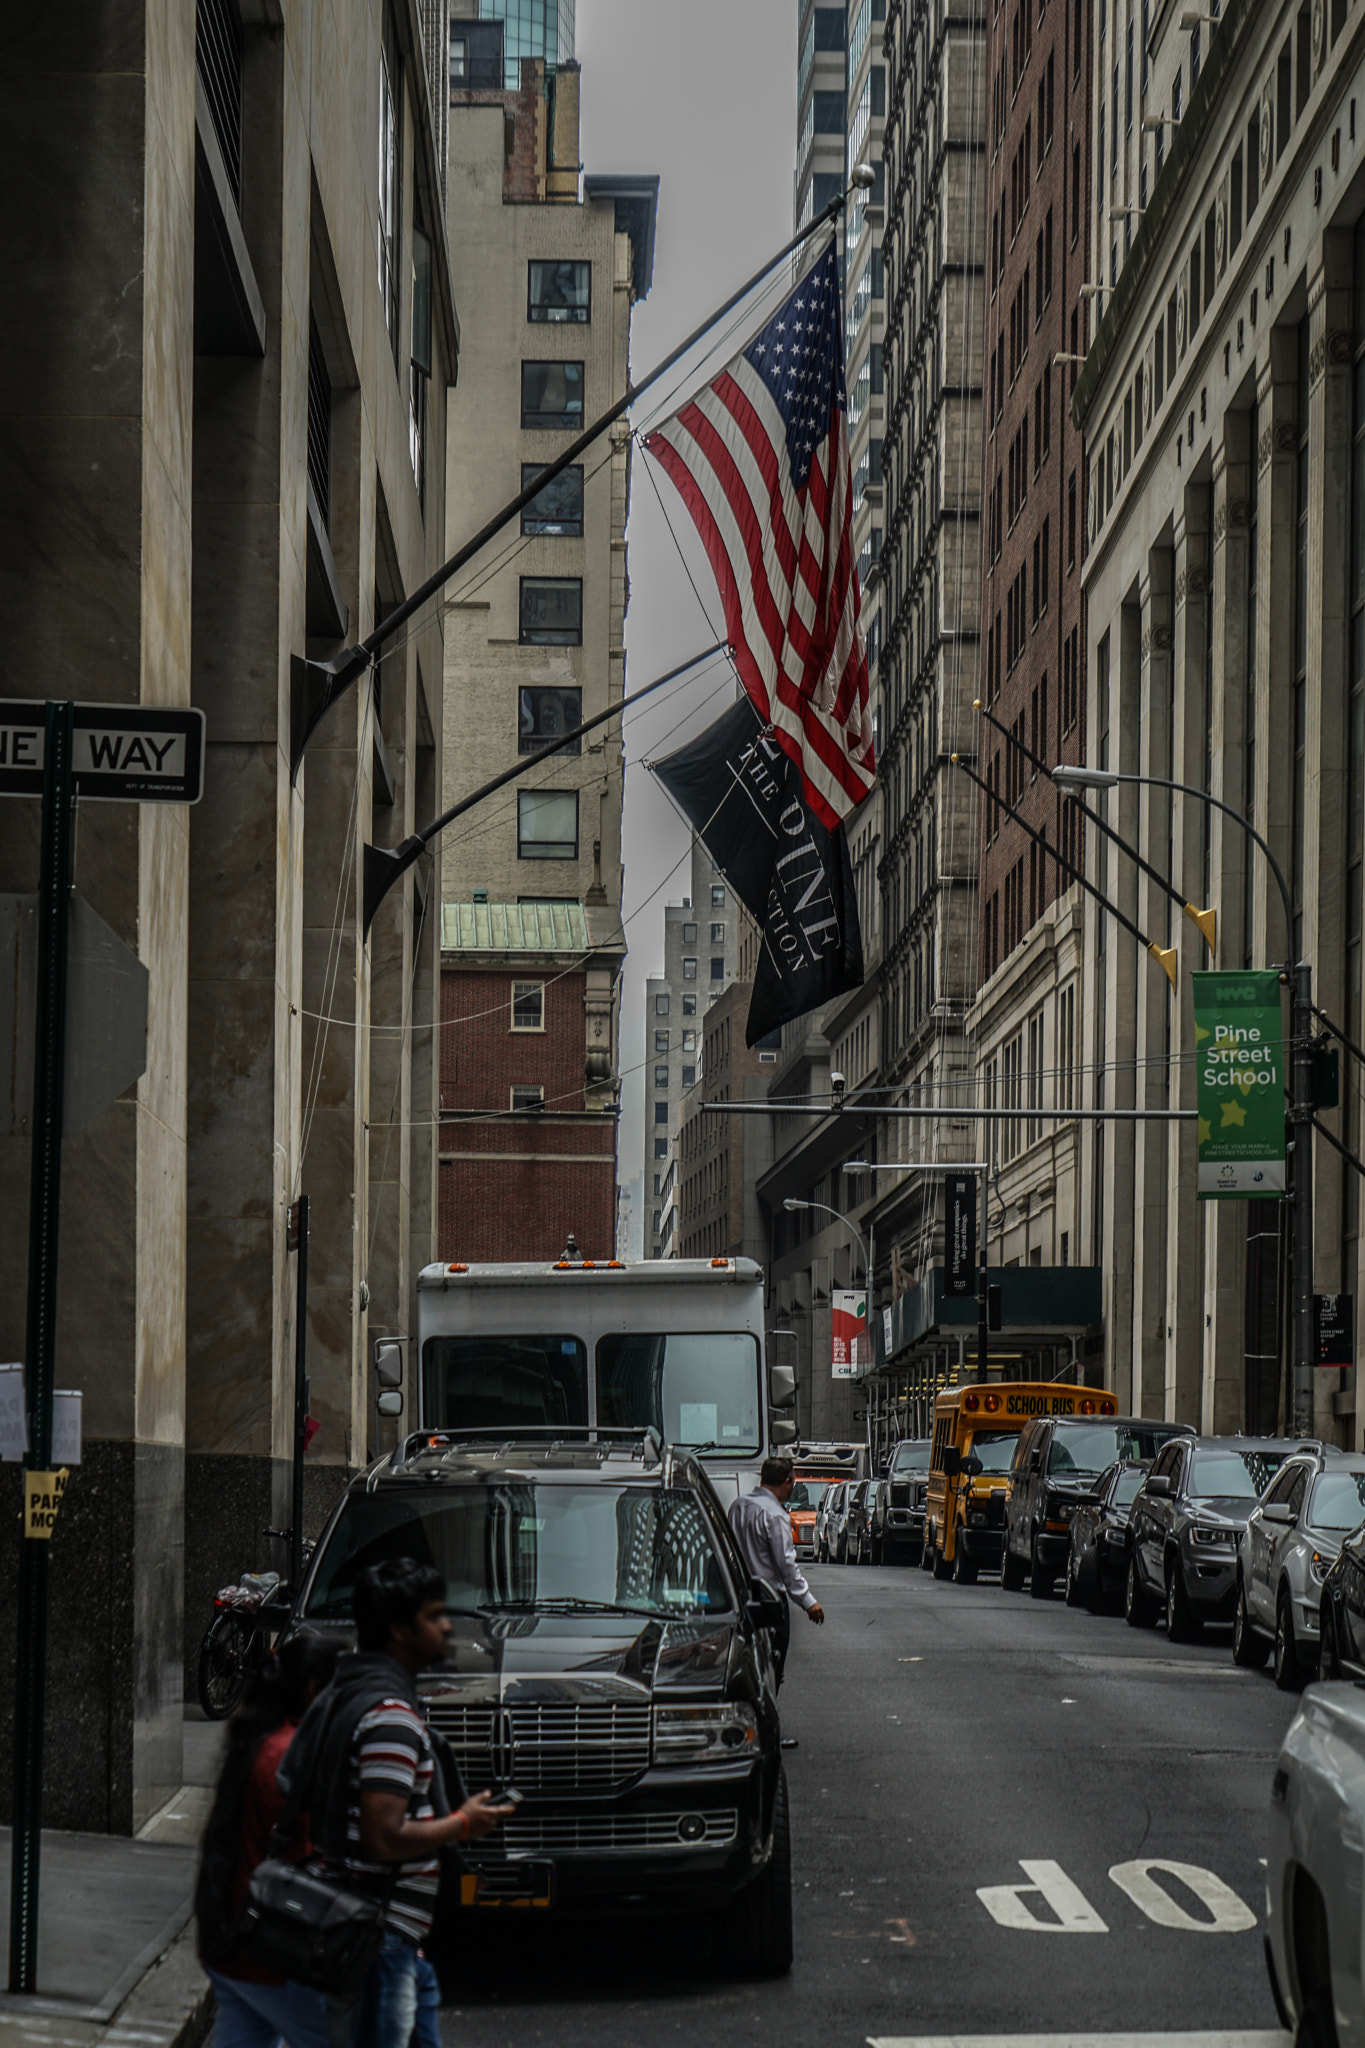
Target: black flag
(743,795)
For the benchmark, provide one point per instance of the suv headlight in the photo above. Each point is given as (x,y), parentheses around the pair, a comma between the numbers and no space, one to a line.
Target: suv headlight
(695,1735)
(1201,1532)
(1319,1566)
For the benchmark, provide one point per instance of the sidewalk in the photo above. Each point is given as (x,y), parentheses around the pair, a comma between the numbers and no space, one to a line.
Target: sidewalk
(116,1960)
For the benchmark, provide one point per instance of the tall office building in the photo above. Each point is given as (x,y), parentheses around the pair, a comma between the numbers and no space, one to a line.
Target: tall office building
(531,28)
(821,110)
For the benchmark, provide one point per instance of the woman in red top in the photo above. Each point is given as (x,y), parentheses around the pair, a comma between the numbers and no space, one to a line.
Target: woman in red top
(256,2009)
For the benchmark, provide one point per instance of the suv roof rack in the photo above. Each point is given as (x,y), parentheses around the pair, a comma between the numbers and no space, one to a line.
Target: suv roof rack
(645,1443)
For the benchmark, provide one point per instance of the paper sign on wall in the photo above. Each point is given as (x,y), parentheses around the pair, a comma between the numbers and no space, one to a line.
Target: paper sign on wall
(42,1497)
(13,1418)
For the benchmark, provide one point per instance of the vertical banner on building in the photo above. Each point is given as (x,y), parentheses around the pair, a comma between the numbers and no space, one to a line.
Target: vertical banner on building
(960,1229)
(1240,1075)
(849,1328)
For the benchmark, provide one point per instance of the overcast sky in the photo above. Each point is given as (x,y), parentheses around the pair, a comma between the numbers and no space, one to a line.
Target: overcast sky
(704,93)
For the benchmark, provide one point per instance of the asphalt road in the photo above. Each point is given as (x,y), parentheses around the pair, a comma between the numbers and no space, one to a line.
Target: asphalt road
(948,1737)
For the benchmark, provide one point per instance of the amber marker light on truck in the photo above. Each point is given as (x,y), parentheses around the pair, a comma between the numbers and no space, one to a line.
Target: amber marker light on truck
(457,1269)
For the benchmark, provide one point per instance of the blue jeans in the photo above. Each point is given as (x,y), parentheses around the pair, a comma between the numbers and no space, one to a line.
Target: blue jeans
(428,2030)
(260,2015)
(389,2001)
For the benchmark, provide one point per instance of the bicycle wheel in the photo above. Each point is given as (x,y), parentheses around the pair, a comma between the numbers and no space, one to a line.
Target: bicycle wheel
(224,1664)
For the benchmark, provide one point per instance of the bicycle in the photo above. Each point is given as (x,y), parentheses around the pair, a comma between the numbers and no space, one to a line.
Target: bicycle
(247,1617)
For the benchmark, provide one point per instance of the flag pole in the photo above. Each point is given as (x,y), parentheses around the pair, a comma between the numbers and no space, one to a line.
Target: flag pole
(316,686)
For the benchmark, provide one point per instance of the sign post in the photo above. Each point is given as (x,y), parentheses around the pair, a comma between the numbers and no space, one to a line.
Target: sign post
(1334,1329)
(59,751)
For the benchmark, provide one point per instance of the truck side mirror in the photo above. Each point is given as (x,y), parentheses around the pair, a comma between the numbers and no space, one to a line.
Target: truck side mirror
(952,1461)
(972,1465)
(390,1402)
(782,1432)
(781,1385)
(388,1365)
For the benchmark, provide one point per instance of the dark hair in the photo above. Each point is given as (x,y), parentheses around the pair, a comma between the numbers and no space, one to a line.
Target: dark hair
(276,1695)
(775,1472)
(391,1595)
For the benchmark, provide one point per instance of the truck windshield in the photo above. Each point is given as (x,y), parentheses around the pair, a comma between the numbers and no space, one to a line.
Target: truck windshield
(515,1544)
(912,1456)
(497,1382)
(807,1495)
(697,1388)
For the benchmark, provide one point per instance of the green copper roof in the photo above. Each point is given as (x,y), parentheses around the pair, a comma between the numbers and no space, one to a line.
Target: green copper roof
(514,928)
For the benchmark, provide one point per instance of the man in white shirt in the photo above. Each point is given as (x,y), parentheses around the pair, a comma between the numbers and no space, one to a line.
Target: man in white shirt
(763,1532)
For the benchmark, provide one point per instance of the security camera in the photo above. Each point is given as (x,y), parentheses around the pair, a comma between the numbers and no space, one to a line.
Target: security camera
(836,1082)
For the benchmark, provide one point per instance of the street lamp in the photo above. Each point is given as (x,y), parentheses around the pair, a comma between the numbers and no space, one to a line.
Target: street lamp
(1301,1102)
(791,1203)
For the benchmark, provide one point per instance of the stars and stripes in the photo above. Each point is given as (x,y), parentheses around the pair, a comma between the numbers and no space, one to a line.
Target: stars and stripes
(761,460)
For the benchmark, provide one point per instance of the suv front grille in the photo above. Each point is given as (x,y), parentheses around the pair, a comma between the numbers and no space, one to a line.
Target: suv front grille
(558,1834)
(547,1746)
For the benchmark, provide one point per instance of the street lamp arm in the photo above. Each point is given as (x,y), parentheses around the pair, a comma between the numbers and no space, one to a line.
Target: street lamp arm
(849,1225)
(1206,796)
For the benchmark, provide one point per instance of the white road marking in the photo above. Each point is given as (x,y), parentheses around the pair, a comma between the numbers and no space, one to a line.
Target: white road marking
(1008,1905)
(1079,2040)
(1230,1916)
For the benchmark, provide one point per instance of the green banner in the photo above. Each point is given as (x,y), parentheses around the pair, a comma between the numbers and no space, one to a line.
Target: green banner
(1240,1060)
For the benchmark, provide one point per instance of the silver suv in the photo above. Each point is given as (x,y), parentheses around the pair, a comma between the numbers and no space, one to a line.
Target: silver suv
(1291,1538)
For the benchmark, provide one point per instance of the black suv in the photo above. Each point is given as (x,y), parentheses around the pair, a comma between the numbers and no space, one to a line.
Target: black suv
(611,1660)
(898,1518)
(1056,1462)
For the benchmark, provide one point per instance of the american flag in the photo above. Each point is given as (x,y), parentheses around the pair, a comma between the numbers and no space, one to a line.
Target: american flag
(761,460)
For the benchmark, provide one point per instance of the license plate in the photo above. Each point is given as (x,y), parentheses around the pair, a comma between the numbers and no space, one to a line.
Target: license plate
(519,1884)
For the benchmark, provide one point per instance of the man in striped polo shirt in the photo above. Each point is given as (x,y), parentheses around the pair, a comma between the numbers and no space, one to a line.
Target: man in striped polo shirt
(379,1810)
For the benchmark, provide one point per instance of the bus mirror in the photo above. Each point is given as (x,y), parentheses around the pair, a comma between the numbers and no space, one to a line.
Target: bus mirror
(952,1461)
(972,1465)
(390,1402)
(388,1365)
(781,1385)
(782,1432)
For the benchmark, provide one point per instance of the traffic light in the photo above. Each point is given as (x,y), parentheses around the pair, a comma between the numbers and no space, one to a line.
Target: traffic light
(993,1306)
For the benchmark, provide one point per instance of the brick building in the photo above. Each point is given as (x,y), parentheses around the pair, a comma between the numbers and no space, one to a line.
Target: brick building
(1023,1023)
(528,1102)
(721,1157)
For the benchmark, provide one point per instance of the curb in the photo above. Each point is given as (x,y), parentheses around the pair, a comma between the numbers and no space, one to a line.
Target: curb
(171,2007)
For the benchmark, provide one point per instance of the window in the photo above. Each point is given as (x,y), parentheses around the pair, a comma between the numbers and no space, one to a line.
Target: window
(689,1076)
(718,935)
(559,293)
(547,824)
(459,57)
(551,611)
(717,896)
(552,395)
(660,1152)
(689,969)
(689,1038)
(528,1006)
(546,715)
(528,1096)
(718,969)
(690,1003)
(661,1005)
(661,1041)
(661,1077)
(419,368)
(556,511)
(658,1189)
(390,173)
(689,935)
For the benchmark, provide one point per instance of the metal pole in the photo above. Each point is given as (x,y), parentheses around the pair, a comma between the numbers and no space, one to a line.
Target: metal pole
(982,1340)
(300,1394)
(49,1063)
(1301,1117)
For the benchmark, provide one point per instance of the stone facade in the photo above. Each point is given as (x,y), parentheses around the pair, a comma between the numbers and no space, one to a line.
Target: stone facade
(1222,410)
(206,341)
(720,1158)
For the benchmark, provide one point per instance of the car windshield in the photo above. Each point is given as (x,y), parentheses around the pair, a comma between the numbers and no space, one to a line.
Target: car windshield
(1338,1501)
(1126,1489)
(995,1448)
(1089,1447)
(912,1456)
(514,1543)
(807,1495)
(1234,1475)
(492,1382)
(697,1388)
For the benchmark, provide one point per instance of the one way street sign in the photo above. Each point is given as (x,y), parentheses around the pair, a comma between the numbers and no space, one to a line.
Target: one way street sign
(128,753)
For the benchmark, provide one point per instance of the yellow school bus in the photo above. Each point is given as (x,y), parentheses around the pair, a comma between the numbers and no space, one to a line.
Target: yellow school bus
(976,1429)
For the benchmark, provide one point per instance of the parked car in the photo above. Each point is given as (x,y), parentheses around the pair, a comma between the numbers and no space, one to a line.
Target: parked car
(858,1541)
(1185,1525)
(843,1525)
(611,1659)
(803,1508)
(1317,1820)
(1056,1463)
(1291,1541)
(1341,1611)
(1098,1555)
(898,1518)
(828,1517)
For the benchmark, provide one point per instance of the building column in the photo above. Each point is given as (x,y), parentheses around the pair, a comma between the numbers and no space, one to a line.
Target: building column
(1223,1391)
(1152,992)
(1326,736)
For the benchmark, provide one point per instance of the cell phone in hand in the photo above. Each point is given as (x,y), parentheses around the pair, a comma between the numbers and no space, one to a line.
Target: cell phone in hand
(509,1796)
